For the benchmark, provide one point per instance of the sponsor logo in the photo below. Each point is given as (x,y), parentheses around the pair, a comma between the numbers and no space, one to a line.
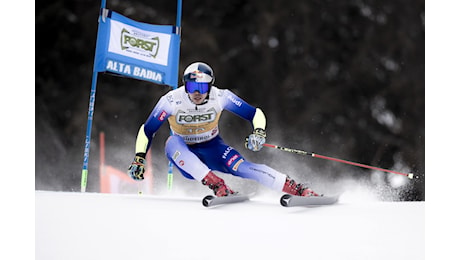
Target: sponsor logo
(175,155)
(195,130)
(141,45)
(237,164)
(186,118)
(235,101)
(199,76)
(162,116)
(133,40)
(232,159)
(181,162)
(196,75)
(227,151)
(262,171)
(195,139)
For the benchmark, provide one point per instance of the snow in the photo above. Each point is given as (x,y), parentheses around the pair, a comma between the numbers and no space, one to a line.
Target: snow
(74,225)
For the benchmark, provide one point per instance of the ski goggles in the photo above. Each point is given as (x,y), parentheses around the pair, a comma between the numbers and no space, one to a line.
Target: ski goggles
(201,87)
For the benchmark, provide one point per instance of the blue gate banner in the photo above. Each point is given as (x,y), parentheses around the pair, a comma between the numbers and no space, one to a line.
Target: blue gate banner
(137,50)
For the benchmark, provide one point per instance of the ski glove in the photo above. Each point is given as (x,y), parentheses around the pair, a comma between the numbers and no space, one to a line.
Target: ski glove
(136,169)
(255,141)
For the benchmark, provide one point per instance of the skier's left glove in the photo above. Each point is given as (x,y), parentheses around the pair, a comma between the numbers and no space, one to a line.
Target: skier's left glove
(255,141)
(136,169)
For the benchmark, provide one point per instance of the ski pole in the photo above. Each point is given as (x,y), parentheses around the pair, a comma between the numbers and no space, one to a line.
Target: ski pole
(408,175)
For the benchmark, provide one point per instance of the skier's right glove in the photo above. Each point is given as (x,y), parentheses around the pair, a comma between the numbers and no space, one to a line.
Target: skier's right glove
(136,169)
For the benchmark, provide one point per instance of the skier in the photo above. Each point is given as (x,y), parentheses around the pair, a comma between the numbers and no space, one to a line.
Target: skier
(195,146)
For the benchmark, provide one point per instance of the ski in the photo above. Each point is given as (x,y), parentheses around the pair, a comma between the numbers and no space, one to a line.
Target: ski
(212,200)
(288,200)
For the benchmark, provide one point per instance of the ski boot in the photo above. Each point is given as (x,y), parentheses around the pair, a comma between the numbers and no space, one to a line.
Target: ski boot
(297,189)
(217,185)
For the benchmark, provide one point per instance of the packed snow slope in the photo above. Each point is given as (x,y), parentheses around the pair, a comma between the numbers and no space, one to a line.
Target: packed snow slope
(73,225)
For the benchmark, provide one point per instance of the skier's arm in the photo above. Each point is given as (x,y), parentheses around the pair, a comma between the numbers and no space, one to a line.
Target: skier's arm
(142,141)
(238,106)
(157,117)
(259,121)
(144,138)
(235,104)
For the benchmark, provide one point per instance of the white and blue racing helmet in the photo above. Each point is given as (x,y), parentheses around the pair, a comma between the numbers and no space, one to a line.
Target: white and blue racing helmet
(199,77)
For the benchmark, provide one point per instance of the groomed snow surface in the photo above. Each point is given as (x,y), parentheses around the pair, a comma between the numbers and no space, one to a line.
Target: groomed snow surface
(74,225)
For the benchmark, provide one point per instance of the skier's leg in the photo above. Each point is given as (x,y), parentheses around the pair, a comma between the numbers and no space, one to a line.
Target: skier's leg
(261,173)
(224,158)
(265,175)
(272,178)
(187,162)
(192,167)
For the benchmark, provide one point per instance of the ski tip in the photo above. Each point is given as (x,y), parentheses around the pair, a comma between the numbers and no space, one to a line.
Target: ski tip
(207,200)
(285,200)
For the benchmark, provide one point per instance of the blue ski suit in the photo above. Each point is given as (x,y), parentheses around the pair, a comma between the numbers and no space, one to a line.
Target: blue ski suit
(195,146)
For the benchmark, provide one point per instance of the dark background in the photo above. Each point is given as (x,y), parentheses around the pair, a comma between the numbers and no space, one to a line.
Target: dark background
(340,78)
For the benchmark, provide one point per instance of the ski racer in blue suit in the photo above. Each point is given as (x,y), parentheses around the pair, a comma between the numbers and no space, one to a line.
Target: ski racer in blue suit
(195,146)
